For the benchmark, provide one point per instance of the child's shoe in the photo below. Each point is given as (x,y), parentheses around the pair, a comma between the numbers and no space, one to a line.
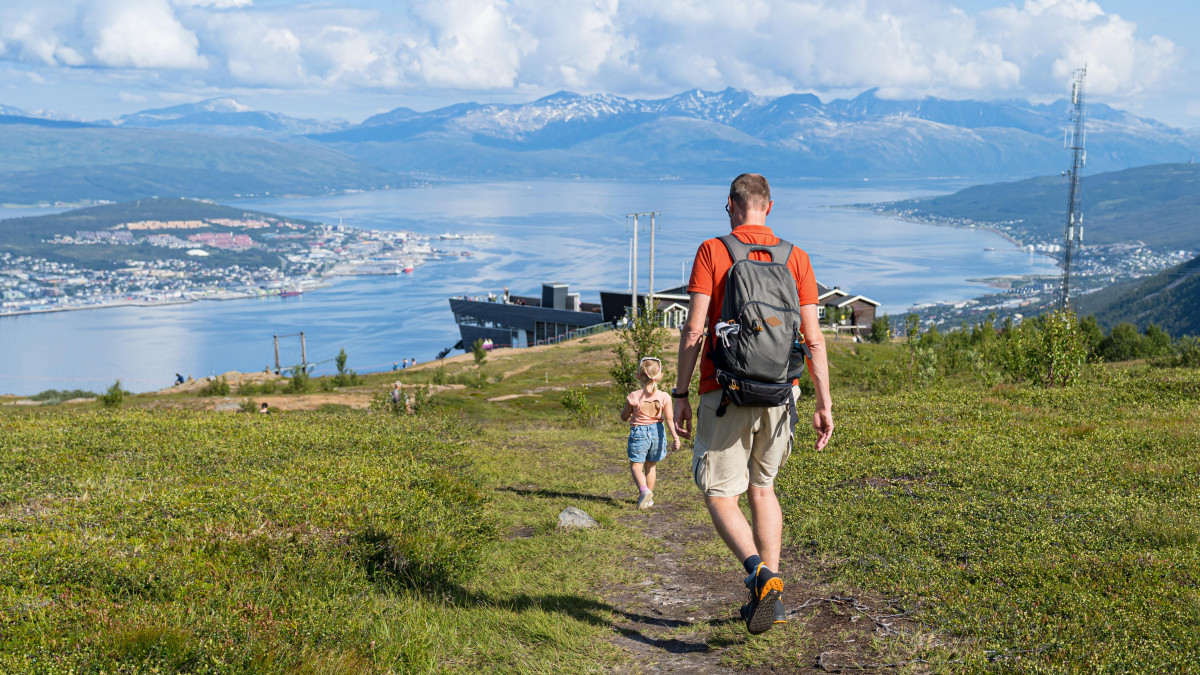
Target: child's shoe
(646,499)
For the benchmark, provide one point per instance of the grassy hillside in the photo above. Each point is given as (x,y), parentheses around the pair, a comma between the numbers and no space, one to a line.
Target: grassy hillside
(44,164)
(1170,299)
(1154,204)
(949,527)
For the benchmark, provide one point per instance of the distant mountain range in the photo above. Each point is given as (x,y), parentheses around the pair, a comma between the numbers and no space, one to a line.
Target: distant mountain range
(694,135)
(700,134)
(225,116)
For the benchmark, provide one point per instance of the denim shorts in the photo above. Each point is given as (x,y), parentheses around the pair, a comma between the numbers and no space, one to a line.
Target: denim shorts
(647,443)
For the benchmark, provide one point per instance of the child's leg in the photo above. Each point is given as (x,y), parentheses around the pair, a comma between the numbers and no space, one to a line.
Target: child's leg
(650,473)
(639,476)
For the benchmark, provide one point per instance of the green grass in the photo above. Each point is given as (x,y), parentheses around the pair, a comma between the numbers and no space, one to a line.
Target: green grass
(219,543)
(1060,527)
(1031,530)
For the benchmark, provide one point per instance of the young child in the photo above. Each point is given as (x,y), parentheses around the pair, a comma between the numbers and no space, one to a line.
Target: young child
(645,410)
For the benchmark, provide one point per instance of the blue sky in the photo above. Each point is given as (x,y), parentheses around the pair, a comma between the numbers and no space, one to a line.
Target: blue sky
(353,58)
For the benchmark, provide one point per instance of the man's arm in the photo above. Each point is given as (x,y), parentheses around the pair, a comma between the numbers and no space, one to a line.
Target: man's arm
(818,369)
(691,339)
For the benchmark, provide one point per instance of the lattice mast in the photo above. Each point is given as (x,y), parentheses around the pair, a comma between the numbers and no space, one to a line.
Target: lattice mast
(1074,226)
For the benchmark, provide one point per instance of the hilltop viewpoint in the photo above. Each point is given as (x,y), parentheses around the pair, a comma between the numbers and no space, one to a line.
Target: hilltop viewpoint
(970,515)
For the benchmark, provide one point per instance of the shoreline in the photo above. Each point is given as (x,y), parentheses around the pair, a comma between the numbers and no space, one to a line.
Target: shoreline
(325,281)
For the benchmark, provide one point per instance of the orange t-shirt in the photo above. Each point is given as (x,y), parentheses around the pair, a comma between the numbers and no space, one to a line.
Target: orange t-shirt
(711,267)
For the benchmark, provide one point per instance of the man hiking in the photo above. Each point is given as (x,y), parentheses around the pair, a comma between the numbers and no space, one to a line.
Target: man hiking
(745,421)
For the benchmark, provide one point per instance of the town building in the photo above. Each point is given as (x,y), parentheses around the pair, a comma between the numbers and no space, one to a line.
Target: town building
(526,321)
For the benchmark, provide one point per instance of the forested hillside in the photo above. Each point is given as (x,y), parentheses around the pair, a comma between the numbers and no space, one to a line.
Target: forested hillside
(1170,299)
(1154,204)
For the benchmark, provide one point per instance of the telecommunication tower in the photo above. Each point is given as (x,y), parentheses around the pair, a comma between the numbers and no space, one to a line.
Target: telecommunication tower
(1074,226)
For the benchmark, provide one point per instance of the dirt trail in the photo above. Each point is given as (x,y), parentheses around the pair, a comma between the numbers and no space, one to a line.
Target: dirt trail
(682,616)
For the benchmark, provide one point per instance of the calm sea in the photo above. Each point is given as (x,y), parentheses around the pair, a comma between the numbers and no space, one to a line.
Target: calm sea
(573,232)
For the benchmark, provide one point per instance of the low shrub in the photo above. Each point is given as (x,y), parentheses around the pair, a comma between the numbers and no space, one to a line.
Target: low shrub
(1048,350)
(299,381)
(414,400)
(583,412)
(344,376)
(217,386)
(112,397)
(265,388)
(644,336)
(56,396)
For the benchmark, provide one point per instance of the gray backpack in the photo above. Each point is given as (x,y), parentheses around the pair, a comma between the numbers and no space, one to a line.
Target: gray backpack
(757,345)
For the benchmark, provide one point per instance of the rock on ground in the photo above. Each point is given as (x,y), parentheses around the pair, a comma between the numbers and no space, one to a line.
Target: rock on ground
(572,518)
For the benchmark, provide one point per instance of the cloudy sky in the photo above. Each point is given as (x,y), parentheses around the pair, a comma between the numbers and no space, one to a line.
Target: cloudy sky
(353,58)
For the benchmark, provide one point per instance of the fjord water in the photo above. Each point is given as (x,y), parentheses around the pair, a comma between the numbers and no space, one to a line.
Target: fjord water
(573,232)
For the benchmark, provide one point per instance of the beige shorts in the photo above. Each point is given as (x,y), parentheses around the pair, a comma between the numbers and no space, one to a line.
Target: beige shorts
(746,446)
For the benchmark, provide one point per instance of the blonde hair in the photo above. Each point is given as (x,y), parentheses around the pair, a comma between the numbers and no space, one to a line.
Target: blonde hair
(649,370)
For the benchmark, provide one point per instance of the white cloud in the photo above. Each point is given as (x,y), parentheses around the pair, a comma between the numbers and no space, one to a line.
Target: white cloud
(772,47)
(141,34)
(215,4)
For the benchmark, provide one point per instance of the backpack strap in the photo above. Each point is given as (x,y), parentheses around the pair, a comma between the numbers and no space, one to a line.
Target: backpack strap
(740,250)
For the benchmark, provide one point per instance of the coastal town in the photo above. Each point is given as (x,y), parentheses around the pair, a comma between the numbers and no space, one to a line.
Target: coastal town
(1094,267)
(191,263)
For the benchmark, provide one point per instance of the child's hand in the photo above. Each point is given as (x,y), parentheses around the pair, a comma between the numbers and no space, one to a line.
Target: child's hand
(678,444)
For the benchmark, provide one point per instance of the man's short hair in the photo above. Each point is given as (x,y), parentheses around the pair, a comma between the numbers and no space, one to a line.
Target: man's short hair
(751,191)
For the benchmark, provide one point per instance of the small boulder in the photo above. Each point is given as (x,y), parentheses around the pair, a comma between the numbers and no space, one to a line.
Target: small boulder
(572,518)
(227,405)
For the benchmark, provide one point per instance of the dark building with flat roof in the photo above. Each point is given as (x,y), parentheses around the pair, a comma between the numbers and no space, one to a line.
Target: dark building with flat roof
(523,321)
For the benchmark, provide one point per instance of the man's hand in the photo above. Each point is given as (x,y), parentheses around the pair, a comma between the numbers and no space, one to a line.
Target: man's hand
(823,424)
(683,418)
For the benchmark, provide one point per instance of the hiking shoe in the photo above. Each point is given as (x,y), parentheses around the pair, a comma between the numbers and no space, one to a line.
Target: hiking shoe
(765,588)
(646,499)
(779,613)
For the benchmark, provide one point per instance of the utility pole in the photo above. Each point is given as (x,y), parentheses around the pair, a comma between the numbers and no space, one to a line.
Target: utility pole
(1074,226)
(650,291)
(303,350)
(633,261)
